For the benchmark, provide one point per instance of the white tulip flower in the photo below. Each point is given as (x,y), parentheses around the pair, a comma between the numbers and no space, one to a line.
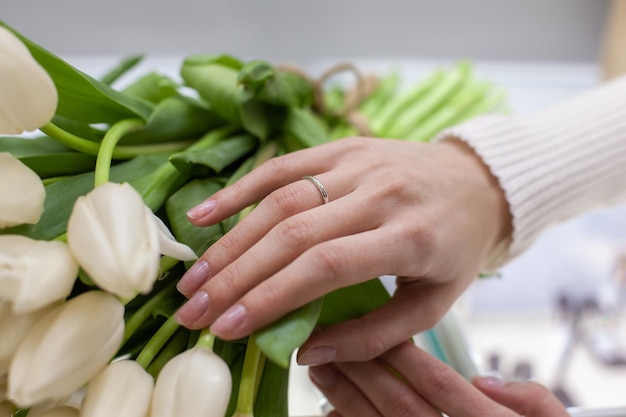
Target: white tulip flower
(123,388)
(118,241)
(196,382)
(22,192)
(35,273)
(28,96)
(66,348)
(13,329)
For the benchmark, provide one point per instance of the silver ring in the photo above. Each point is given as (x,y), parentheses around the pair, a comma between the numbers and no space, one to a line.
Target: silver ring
(319,186)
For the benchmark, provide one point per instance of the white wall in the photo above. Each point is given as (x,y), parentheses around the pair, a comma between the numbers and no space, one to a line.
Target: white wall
(298,31)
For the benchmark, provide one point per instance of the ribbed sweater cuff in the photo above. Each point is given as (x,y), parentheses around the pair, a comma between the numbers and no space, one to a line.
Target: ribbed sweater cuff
(557,163)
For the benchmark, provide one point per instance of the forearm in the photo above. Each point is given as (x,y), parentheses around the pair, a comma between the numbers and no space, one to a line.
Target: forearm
(557,163)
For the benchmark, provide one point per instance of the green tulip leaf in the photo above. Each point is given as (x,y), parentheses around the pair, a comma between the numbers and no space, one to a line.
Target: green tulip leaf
(215,83)
(260,118)
(82,97)
(152,87)
(304,129)
(125,65)
(192,193)
(174,118)
(279,340)
(267,83)
(213,159)
(353,301)
(47,157)
(272,396)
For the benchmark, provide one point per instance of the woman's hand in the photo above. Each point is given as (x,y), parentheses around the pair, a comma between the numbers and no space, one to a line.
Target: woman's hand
(427,213)
(427,388)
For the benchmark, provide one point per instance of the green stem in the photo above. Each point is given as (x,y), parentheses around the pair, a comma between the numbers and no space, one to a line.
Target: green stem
(121,152)
(206,339)
(107,146)
(249,379)
(174,347)
(142,314)
(154,345)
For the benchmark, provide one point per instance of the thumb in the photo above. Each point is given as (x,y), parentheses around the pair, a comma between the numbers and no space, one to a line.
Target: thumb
(529,399)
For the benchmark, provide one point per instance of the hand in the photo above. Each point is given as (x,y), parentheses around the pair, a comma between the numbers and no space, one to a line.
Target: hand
(427,213)
(428,387)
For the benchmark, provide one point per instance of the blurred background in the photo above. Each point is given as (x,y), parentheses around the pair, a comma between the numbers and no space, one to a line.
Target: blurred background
(555,313)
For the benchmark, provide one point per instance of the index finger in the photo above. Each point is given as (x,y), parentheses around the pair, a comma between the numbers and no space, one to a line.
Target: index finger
(441,385)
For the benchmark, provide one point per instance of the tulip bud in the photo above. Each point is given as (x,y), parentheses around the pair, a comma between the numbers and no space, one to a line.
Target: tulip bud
(66,348)
(116,239)
(22,192)
(123,388)
(13,329)
(28,97)
(196,382)
(35,273)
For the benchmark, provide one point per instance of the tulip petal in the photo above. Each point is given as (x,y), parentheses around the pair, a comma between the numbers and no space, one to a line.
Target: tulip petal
(113,240)
(22,192)
(66,348)
(168,244)
(28,96)
(35,273)
(13,329)
(196,382)
(123,388)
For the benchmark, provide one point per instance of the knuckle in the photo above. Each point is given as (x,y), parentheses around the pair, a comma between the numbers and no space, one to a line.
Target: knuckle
(373,346)
(441,379)
(286,201)
(294,233)
(402,404)
(226,285)
(332,264)
(275,167)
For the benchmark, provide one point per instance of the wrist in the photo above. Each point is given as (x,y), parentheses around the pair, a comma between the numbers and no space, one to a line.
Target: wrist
(492,199)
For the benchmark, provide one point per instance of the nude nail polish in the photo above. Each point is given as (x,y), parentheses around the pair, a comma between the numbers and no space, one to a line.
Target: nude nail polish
(193,279)
(232,319)
(319,355)
(203,209)
(193,309)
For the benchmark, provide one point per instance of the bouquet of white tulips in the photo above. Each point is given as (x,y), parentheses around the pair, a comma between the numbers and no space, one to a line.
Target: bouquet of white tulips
(93,233)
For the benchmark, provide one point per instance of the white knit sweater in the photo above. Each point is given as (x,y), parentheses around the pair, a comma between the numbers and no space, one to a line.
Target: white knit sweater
(556,163)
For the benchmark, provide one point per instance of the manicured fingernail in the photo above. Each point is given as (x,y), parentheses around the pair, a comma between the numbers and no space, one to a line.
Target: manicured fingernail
(193,279)
(202,209)
(323,376)
(232,319)
(490,380)
(318,356)
(193,309)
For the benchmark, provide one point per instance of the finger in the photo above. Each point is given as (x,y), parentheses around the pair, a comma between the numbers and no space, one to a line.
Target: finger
(280,205)
(322,269)
(441,385)
(416,308)
(279,287)
(526,398)
(345,397)
(391,396)
(269,176)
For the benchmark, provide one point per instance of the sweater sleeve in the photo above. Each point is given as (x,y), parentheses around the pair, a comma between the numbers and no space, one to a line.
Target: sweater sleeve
(556,163)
